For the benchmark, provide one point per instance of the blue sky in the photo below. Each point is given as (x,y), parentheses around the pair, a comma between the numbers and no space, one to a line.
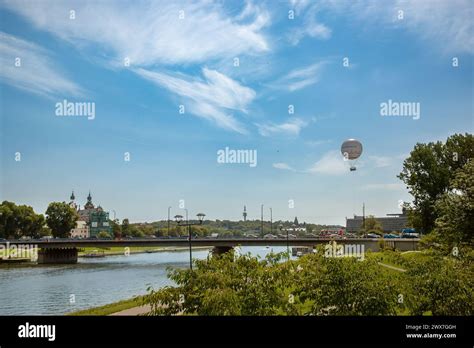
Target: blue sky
(80,56)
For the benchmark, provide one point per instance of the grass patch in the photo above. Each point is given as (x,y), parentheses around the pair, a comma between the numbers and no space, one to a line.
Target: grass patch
(110,308)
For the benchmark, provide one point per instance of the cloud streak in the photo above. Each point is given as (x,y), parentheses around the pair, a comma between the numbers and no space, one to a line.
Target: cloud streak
(301,78)
(283,166)
(309,25)
(448,24)
(292,127)
(149,35)
(331,163)
(210,98)
(151,32)
(37,72)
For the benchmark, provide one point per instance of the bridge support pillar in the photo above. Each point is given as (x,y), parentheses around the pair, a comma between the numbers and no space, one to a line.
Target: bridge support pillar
(219,250)
(57,255)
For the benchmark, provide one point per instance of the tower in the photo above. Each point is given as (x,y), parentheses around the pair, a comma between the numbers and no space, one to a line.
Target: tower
(363,216)
(89,204)
(245,213)
(72,204)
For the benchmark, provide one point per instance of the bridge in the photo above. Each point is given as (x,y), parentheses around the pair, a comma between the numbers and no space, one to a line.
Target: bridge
(66,250)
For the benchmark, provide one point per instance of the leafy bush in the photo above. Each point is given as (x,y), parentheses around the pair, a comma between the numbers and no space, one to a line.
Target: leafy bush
(318,285)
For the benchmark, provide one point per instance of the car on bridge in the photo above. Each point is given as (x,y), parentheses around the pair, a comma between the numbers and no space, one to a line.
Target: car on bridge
(371,235)
(390,235)
(410,233)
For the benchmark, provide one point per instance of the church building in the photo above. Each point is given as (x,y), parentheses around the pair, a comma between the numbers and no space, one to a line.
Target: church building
(92,218)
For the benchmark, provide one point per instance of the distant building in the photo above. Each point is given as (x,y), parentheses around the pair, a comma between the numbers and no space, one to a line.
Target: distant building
(95,218)
(391,222)
(245,213)
(81,230)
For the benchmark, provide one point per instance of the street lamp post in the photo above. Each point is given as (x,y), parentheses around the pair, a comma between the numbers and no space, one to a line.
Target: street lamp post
(179,220)
(271,221)
(169,220)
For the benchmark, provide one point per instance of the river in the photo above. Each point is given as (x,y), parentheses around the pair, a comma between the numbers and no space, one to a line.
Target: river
(50,289)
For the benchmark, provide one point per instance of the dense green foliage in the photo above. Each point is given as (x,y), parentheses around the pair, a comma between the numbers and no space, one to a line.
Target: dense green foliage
(372,225)
(61,219)
(317,285)
(19,220)
(428,173)
(224,228)
(455,210)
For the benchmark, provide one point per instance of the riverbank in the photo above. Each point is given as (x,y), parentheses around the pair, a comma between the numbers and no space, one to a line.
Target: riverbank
(115,251)
(111,308)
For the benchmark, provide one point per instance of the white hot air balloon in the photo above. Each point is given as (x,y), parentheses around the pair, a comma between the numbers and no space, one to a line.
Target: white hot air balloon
(351,149)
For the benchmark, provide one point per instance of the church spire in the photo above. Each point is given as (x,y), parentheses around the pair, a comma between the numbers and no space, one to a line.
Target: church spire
(89,204)
(72,196)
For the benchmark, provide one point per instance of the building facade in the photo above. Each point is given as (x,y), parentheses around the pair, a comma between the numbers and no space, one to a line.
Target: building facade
(94,218)
(390,223)
(81,230)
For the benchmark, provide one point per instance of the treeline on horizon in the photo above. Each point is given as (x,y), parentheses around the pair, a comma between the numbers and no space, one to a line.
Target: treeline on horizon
(229,228)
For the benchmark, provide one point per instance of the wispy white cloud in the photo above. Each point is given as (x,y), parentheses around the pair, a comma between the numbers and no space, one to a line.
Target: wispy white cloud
(318,142)
(292,127)
(309,25)
(447,24)
(301,77)
(283,166)
(331,163)
(151,32)
(37,73)
(381,161)
(211,98)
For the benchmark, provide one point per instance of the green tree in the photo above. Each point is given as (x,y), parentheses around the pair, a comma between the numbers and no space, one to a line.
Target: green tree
(319,285)
(162,232)
(19,220)
(61,218)
(440,286)
(428,171)
(116,229)
(103,235)
(455,209)
(226,285)
(135,231)
(372,225)
(346,286)
(125,228)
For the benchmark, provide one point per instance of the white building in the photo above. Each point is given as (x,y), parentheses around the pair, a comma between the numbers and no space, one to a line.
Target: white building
(81,230)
